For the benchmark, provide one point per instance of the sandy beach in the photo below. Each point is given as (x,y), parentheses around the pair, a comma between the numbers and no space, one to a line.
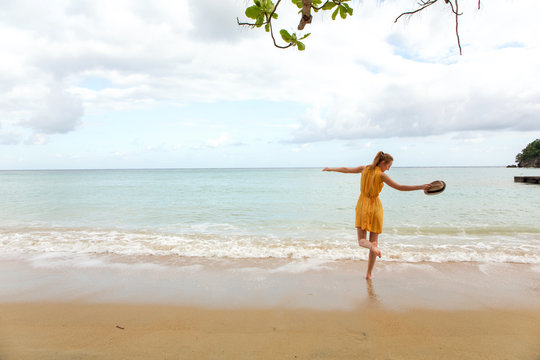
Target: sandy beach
(267,310)
(104,331)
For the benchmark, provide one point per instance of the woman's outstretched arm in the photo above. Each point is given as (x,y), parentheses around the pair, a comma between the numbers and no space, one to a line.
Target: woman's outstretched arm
(387,180)
(346,170)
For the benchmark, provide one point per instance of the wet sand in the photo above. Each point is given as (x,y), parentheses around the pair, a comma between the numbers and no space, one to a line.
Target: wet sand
(121,309)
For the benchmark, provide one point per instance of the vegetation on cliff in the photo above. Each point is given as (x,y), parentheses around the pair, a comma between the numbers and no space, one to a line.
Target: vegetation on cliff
(530,156)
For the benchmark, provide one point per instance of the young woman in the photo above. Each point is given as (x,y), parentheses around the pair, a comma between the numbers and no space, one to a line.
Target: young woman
(369,211)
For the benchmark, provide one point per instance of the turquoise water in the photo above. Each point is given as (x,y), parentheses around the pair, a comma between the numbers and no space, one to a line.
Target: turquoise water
(258,213)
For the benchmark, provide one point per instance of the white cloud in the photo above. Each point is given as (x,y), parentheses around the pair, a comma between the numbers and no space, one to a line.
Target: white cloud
(471,138)
(59,112)
(419,86)
(222,140)
(299,148)
(37,139)
(215,20)
(360,78)
(10,138)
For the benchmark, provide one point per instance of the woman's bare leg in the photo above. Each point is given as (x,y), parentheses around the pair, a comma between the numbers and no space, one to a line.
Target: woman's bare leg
(373,253)
(362,238)
(363,241)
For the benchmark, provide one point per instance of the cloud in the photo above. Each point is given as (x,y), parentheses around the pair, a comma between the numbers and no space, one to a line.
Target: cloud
(10,138)
(364,77)
(37,139)
(489,91)
(59,112)
(222,140)
(407,112)
(215,20)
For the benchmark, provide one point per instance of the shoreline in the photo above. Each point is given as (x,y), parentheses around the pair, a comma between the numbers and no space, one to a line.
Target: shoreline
(268,283)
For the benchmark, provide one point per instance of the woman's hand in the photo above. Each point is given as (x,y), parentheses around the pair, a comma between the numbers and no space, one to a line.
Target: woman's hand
(426,187)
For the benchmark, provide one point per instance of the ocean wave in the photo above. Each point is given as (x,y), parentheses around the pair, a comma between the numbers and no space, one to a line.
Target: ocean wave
(413,248)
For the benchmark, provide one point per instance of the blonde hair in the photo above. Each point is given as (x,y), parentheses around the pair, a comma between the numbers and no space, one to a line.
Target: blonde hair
(379,158)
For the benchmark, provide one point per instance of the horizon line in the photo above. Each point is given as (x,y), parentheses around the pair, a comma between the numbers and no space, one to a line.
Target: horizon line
(252,168)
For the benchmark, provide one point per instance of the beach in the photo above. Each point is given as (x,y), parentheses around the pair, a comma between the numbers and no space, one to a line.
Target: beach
(90,331)
(264,264)
(177,183)
(263,310)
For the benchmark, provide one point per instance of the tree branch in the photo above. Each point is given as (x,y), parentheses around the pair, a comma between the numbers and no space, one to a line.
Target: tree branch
(306,14)
(272,32)
(452,6)
(457,24)
(426,3)
(320,7)
(337,2)
(245,24)
(268,18)
(306,17)
(269,22)
(275,8)
(423,4)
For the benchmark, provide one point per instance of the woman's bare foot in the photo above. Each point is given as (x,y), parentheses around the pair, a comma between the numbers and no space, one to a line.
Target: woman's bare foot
(368,276)
(376,250)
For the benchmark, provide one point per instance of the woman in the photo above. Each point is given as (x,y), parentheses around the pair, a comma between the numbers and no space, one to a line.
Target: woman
(369,211)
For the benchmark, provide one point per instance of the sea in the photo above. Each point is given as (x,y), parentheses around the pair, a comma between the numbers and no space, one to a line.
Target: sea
(278,213)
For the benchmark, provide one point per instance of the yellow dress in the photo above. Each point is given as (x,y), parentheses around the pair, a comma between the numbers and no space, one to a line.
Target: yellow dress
(369,211)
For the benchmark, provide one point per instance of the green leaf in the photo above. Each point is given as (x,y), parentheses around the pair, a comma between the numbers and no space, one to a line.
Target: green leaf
(301,46)
(305,36)
(298,3)
(335,13)
(342,12)
(349,9)
(257,2)
(285,36)
(253,12)
(259,21)
(274,16)
(329,6)
(267,27)
(269,6)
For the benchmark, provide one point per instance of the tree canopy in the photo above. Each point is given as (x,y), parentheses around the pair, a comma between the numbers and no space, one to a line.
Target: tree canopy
(263,12)
(530,156)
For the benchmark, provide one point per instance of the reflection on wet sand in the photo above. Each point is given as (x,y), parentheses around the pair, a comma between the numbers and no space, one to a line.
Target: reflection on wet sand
(372,296)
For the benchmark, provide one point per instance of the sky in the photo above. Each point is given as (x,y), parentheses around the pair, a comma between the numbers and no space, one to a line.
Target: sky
(178,84)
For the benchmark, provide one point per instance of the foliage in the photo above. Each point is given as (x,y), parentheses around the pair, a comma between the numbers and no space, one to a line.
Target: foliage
(342,7)
(291,39)
(264,11)
(260,12)
(531,151)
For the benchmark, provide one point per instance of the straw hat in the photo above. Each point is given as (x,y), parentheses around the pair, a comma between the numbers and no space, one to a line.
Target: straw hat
(437,187)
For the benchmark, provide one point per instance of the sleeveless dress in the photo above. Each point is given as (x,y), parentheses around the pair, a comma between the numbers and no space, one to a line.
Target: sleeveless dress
(369,211)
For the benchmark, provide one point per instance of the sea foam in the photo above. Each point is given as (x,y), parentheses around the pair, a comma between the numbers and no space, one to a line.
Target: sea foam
(524,248)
